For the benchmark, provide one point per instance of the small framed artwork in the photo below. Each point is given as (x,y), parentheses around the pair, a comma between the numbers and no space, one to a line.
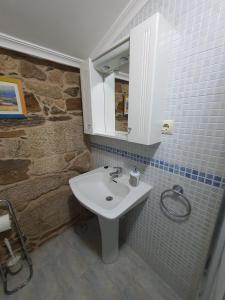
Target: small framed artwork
(12,103)
(125,107)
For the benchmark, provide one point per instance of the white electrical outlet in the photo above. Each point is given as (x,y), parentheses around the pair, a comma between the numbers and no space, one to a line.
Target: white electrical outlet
(167,127)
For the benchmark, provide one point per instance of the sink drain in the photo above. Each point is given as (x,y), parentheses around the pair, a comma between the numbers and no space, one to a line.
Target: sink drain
(109,198)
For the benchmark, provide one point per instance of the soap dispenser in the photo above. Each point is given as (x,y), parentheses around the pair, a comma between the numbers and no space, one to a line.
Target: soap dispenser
(134,177)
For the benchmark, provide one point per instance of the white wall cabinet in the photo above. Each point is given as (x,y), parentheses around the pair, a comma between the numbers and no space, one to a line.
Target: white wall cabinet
(93,100)
(147,87)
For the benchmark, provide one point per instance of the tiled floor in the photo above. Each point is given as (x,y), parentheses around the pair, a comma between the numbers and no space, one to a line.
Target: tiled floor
(69,267)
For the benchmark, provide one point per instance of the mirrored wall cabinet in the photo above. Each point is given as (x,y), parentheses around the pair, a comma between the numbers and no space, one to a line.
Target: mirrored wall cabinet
(123,89)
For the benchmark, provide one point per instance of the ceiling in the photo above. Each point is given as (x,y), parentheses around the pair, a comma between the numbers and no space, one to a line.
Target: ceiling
(73,27)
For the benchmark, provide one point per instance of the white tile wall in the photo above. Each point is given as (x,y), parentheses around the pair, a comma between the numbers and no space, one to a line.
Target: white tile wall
(196,102)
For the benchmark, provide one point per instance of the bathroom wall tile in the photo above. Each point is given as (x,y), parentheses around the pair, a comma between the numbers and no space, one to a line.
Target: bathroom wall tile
(194,156)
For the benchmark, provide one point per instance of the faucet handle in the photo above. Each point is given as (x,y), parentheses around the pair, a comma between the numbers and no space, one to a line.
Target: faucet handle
(118,169)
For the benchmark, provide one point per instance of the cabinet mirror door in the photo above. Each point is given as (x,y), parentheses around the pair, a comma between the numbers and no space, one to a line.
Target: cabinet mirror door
(122,99)
(114,69)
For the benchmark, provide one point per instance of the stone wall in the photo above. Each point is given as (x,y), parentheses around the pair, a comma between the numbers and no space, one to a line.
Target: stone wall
(121,90)
(40,153)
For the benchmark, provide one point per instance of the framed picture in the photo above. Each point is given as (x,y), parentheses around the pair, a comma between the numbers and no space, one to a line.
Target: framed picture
(125,107)
(12,103)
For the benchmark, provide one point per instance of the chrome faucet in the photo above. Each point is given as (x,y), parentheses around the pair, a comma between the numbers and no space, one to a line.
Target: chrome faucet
(116,173)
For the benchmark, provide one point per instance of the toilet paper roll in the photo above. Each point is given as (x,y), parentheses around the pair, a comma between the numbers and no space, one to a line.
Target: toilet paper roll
(5,223)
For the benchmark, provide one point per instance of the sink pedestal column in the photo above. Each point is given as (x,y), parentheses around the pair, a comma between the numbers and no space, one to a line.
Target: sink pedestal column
(110,239)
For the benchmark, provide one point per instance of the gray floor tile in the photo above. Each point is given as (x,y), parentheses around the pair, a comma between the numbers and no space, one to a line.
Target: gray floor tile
(69,267)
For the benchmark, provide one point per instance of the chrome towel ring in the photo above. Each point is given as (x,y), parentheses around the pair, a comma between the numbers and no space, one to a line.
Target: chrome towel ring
(170,208)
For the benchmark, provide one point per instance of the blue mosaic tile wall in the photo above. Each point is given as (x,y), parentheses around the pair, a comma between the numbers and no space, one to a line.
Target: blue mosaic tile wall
(194,156)
(210,179)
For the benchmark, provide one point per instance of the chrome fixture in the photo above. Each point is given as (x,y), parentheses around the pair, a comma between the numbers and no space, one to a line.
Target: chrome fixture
(21,238)
(171,207)
(116,173)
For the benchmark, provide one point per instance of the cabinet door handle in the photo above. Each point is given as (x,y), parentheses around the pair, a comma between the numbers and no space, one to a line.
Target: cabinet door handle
(129,130)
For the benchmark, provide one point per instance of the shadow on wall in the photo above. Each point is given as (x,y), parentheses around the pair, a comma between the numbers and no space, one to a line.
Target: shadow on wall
(135,213)
(88,236)
(147,151)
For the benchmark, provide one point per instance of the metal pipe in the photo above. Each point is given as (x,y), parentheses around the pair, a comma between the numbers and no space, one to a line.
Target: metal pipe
(3,269)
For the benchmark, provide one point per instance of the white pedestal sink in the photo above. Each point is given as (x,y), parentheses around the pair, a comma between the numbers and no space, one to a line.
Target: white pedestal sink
(110,239)
(109,200)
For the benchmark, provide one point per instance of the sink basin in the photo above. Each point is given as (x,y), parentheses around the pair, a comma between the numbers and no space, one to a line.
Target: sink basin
(92,189)
(108,199)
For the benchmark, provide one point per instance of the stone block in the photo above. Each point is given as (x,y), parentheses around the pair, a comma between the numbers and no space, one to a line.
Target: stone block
(44,89)
(72,91)
(55,111)
(45,165)
(118,87)
(2,153)
(13,170)
(69,156)
(48,214)
(51,139)
(125,89)
(23,192)
(55,76)
(12,134)
(72,78)
(76,113)
(48,101)
(7,63)
(82,163)
(59,118)
(60,104)
(46,110)
(73,104)
(26,122)
(30,70)
(32,103)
